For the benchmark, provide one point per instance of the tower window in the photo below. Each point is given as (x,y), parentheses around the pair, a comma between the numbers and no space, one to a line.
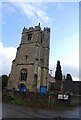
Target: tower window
(23,74)
(35,78)
(41,60)
(41,40)
(29,36)
(26,57)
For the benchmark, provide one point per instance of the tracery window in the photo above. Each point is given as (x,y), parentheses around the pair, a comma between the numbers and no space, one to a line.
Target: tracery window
(24,74)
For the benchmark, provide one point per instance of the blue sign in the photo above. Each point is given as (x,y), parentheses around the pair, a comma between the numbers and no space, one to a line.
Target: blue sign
(43,89)
(22,88)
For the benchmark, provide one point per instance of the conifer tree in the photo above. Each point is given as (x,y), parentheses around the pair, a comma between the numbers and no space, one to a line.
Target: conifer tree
(58,72)
(69,77)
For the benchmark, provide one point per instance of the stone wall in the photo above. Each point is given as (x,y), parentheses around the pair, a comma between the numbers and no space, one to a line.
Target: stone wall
(73,100)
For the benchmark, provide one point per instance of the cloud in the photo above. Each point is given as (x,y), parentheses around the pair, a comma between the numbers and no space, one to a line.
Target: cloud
(69,64)
(7,54)
(60,6)
(33,11)
(41,1)
(66,68)
(74,71)
(37,12)
(0,13)
(8,8)
(70,61)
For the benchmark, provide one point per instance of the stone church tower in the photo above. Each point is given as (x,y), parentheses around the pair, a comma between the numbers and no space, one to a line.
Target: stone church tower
(30,68)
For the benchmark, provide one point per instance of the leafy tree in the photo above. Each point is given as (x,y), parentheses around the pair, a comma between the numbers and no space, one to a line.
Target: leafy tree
(4,81)
(58,72)
(69,77)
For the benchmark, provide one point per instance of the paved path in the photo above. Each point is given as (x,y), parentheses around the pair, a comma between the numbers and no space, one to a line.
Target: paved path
(17,111)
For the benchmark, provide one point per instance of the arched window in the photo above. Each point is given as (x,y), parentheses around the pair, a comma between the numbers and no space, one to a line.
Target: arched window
(24,74)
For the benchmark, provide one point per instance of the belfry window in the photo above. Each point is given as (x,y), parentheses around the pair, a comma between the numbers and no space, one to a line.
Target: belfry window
(26,57)
(29,36)
(23,74)
(41,40)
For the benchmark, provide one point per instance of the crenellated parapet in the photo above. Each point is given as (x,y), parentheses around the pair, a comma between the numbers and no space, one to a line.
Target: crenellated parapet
(36,28)
(31,29)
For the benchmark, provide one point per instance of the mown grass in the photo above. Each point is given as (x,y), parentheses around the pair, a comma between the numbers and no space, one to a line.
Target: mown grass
(42,104)
(29,102)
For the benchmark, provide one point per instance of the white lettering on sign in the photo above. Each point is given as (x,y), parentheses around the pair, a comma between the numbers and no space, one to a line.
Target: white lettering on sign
(60,96)
(66,97)
(63,97)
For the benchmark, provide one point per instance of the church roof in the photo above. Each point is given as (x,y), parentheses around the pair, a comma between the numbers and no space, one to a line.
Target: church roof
(51,79)
(72,86)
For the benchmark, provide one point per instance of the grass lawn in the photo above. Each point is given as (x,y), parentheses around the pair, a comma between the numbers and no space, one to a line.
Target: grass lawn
(42,104)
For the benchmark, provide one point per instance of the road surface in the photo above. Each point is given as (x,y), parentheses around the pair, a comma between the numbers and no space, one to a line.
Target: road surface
(17,111)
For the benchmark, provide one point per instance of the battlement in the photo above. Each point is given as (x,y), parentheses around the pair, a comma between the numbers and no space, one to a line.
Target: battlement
(36,28)
(47,29)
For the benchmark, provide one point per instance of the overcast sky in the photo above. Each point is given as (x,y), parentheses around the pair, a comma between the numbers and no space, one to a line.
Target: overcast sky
(61,17)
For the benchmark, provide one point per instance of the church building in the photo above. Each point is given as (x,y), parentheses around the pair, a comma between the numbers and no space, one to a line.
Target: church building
(30,68)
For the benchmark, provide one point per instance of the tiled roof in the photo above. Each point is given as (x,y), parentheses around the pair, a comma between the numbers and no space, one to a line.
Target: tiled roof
(57,85)
(72,86)
(51,79)
(66,86)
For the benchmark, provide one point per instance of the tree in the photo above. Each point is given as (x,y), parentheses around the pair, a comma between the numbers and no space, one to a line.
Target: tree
(69,77)
(4,81)
(58,72)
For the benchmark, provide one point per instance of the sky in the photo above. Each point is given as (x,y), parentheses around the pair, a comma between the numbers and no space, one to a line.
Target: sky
(61,17)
